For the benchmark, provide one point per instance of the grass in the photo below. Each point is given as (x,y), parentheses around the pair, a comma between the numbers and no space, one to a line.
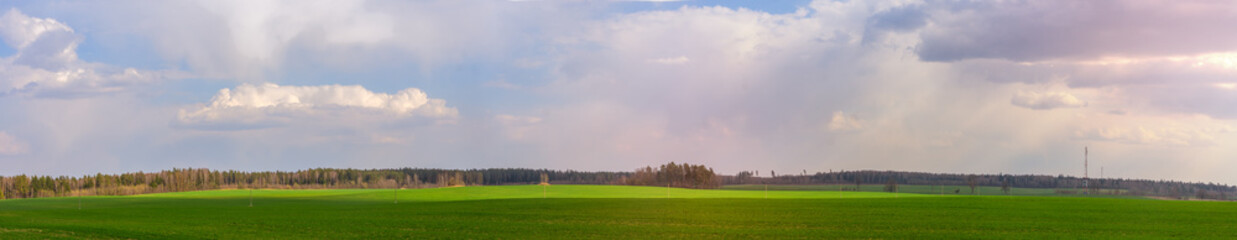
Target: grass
(921,189)
(582,211)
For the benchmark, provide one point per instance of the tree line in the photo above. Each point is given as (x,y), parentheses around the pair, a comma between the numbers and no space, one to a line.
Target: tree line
(1068,184)
(671,174)
(192,179)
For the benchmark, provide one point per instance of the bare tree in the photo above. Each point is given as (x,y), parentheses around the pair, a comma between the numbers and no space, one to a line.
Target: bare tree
(1005,185)
(970,181)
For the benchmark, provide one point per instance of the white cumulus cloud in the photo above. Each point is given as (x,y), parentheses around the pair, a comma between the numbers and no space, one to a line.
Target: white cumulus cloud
(19,30)
(46,61)
(1046,100)
(257,106)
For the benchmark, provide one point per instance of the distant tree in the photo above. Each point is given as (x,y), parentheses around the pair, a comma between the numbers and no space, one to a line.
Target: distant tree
(458,180)
(744,176)
(1005,185)
(891,185)
(970,181)
(858,181)
(545,179)
(21,186)
(679,175)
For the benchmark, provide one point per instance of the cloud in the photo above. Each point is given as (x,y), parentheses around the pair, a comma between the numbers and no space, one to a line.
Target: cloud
(1165,136)
(501,83)
(728,63)
(254,42)
(844,123)
(1228,86)
(259,106)
(19,30)
(10,145)
(260,34)
(670,61)
(46,62)
(1203,68)
(517,127)
(1062,29)
(1180,84)
(897,19)
(1171,58)
(1046,100)
(517,120)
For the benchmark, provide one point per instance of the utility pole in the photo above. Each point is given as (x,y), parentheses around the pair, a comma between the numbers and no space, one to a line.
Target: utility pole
(1085,185)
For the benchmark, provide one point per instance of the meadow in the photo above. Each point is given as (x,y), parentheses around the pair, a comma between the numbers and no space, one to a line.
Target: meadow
(591,211)
(931,189)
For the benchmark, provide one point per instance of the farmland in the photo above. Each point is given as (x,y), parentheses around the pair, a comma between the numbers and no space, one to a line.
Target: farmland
(929,189)
(583,211)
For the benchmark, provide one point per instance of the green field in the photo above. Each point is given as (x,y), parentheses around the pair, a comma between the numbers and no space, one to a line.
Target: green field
(585,211)
(921,189)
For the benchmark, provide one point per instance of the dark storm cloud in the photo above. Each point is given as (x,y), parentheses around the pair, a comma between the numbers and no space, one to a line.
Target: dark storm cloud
(898,19)
(1045,30)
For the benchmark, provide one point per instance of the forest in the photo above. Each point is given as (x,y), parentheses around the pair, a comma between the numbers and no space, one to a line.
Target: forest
(192,179)
(670,174)
(1065,184)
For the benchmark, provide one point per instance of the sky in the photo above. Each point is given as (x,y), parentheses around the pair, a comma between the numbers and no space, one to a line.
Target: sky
(1014,87)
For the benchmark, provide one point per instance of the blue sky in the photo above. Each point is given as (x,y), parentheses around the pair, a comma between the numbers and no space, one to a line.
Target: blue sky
(933,86)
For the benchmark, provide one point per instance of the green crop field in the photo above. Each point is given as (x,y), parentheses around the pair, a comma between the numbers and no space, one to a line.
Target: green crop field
(926,189)
(585,211)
